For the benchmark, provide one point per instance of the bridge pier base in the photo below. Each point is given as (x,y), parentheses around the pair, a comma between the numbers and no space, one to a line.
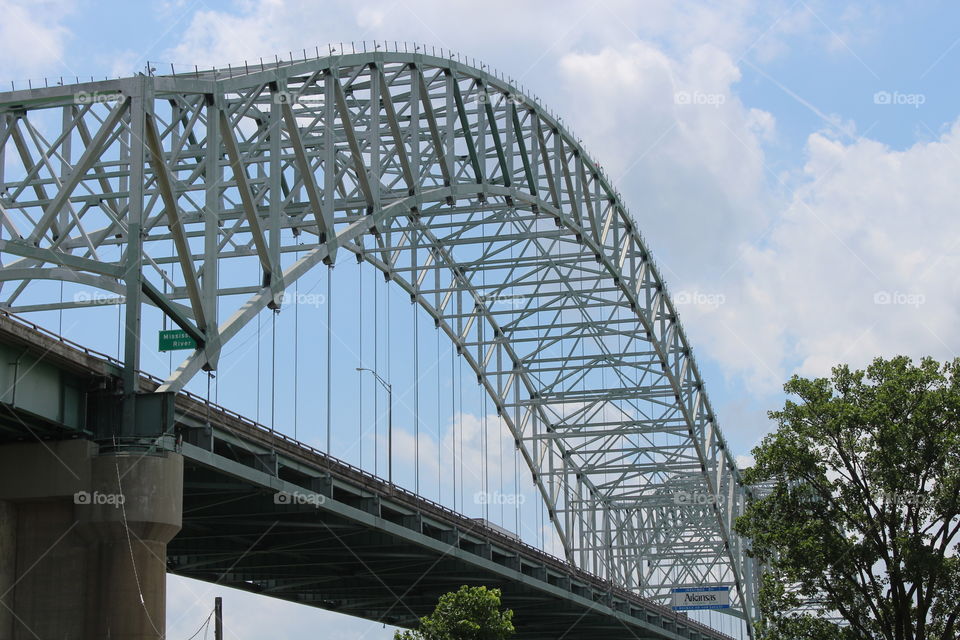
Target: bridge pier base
(83,541)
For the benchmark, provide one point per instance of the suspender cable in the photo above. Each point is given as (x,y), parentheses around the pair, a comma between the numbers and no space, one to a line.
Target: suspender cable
(500,463)
(485,437)
(386,293)
(273,369)
(163,315)
(516,488)
(329,335)
(376,367)
(453,421)
(516,455)
(439,427)
(416,399)
(486,460)
(460,421)
(360,358)
(296,349)
(258,366)
(119,331)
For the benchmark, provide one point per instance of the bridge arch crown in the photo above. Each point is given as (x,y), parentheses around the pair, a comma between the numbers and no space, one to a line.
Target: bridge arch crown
(462,191)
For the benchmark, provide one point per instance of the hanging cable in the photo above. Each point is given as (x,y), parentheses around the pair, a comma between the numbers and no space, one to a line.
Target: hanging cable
(516,487)
(258,366)
(209,379)
(329,335)
(360,358)
(460,420)
(500,464)
(416,399)
(163,317)
(540,525)
(485,439)
(439,429)
(273,368)
(376,367)
(296,348)
(216,304)
(453,421)
(119,332)
(386,293)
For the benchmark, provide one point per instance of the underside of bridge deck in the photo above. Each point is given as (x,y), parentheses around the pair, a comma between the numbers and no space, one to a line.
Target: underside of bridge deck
(322,555)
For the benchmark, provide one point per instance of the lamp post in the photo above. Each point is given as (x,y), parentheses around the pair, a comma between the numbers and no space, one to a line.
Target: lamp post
(389,388)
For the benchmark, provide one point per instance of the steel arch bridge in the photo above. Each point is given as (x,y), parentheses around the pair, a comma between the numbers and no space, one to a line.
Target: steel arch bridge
(462,191)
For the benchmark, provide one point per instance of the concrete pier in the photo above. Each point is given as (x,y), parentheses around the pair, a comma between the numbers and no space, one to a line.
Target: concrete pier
(83,540)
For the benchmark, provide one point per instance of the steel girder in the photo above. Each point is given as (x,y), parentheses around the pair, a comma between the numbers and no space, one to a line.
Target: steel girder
(460,190)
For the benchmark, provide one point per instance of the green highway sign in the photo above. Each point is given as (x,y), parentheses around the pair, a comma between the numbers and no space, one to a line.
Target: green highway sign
(175,339)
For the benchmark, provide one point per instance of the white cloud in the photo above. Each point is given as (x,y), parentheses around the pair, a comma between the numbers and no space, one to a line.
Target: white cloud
(676,138)
(32,37)
(861,263)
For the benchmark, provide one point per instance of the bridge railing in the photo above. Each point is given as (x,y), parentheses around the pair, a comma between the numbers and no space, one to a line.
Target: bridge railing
(55,336)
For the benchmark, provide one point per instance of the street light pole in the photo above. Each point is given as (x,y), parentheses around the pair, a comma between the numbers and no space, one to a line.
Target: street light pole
(386,385)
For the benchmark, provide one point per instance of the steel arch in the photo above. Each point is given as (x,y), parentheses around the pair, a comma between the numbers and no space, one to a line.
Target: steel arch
(465,193)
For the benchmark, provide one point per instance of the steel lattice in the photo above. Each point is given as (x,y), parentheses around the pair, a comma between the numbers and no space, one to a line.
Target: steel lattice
(464,193)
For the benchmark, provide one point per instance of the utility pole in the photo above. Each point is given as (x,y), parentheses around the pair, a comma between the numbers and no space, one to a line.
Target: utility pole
(218,618)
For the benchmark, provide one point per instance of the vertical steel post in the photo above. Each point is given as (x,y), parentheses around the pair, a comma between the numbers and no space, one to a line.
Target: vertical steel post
(141,99)
(218,618)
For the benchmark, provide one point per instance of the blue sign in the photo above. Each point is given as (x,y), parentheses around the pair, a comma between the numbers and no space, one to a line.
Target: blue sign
(695,598)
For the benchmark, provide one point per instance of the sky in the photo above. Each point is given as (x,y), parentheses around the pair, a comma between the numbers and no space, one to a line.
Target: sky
(792,164)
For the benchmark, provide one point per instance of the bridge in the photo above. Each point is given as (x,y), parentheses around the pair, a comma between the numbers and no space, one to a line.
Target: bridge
(201,198)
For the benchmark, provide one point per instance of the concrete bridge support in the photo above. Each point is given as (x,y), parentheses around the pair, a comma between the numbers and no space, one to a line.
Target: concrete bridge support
(83,540)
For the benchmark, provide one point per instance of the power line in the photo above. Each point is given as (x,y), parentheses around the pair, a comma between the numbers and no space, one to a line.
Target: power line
(203,626)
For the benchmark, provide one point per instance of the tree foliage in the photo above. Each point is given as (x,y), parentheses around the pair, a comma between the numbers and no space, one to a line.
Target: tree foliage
(860,515)
(471,613)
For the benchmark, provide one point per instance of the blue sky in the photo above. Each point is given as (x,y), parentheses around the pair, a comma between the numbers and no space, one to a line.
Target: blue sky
(793,166)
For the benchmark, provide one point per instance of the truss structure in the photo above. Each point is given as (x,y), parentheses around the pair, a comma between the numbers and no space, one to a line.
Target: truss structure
(463,192)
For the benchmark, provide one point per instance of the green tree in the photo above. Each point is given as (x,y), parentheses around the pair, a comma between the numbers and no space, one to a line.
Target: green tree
(861,518)
(471,613)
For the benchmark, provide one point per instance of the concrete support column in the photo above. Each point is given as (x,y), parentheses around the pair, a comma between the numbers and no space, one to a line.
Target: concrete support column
(83,541)
(8,566)
(135,510)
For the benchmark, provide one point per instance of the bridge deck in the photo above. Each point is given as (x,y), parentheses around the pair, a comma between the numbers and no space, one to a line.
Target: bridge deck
(344,540)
